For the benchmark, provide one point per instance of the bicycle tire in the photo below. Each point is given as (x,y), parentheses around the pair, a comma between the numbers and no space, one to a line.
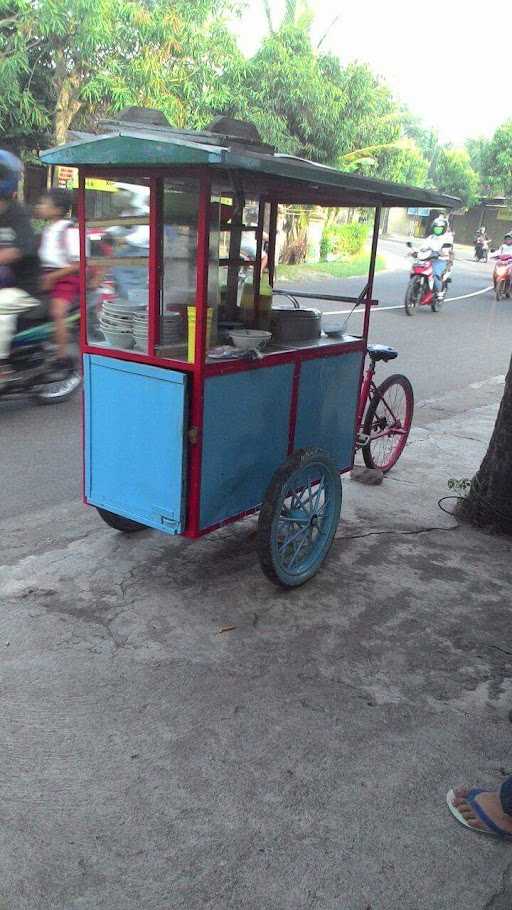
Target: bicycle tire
(376,422)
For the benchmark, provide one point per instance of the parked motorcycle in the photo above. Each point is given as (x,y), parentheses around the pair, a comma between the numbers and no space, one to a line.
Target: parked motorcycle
(32,368)
(481,250)
(502,277)
(420,290)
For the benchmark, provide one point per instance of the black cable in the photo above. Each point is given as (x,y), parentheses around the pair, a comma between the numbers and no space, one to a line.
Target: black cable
(443,499)
(504,516)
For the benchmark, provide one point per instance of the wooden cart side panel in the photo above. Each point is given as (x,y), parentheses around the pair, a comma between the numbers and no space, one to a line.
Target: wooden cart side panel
(327,403)
(245,439)
(135,431)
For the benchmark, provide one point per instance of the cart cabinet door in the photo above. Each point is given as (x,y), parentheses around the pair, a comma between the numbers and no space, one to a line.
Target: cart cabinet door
(134,436)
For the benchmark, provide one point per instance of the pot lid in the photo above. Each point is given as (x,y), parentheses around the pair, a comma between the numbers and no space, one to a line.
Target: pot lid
(302,313)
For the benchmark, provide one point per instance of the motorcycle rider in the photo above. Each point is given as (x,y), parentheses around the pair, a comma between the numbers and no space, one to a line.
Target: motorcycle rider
(505,250)
(481,241)
(19,261)
(440,242)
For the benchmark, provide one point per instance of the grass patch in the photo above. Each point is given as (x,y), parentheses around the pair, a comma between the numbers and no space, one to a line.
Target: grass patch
(341,268)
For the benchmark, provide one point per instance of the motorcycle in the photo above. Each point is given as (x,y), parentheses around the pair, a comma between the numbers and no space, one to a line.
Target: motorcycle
(481,250)
(502,277)
(420,290)
(31,368)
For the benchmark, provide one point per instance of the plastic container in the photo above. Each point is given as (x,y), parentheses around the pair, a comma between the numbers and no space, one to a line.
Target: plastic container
(264,308)
(191,314)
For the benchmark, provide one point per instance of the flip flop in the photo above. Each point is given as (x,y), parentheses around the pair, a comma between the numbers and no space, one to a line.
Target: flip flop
(494,829)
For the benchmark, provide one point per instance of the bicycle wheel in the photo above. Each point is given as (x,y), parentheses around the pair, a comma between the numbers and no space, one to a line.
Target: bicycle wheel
(387,422)
(299,517)
(413,295)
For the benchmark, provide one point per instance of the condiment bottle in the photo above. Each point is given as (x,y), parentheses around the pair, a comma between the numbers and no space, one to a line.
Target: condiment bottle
(264,303)
(247,310)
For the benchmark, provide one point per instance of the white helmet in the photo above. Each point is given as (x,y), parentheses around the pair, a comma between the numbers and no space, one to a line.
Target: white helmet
(440,225)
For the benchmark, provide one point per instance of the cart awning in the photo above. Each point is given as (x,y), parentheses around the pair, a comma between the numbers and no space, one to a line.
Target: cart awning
(283,177)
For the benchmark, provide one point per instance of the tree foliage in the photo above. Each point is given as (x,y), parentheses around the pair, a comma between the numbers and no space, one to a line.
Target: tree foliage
(64,62)
(62,59)
(454,175)
(497,160)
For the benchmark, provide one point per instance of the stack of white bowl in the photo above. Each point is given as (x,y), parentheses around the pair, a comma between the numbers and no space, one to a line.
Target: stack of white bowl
(116,323)
(171,329)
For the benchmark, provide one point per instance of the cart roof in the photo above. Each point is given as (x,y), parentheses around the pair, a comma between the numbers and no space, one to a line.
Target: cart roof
(284,178)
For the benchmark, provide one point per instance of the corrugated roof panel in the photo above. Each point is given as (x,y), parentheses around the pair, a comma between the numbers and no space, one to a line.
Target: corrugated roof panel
(130,147)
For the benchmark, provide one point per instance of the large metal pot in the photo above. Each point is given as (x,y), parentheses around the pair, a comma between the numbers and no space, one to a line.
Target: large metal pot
(287,324)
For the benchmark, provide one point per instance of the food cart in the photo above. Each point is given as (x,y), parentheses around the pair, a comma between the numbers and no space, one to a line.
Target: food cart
(183,431)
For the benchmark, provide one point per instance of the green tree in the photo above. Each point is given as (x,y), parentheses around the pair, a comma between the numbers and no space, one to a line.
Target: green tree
(454,175)
(424,137)
(306,103)
(62,59)
(400,161)
(498,160)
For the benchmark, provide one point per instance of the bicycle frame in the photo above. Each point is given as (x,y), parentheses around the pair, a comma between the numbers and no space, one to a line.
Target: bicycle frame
(365,393)
(368,389)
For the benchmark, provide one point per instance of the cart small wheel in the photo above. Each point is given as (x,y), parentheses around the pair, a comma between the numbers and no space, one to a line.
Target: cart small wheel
(119,523)
(299,517)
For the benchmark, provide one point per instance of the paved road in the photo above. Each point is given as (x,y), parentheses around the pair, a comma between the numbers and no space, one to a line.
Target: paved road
(470,341)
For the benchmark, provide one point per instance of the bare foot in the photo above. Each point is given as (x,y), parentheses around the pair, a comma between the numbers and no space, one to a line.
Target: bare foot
(490,803)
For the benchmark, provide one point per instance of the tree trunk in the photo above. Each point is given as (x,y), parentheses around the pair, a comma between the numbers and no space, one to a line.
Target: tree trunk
(268,14)
(489,501)
(67,107)
(68,104)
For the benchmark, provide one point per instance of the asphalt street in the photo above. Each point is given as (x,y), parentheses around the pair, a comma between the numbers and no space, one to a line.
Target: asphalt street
(467,344)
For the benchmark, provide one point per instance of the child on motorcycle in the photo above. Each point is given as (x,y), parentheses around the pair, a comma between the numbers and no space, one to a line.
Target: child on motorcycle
(19,262)
(60,259)
(440,241)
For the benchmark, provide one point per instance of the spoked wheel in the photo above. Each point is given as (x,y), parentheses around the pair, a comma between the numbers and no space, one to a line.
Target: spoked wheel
(119,523)
(413,295)
(387,422)
(299,517)
(55,392)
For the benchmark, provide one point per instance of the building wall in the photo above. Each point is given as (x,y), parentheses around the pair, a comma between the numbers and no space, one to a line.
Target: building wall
(398,221)
(497,220)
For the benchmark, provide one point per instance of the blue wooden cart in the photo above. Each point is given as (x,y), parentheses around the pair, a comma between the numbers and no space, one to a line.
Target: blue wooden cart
(181,433)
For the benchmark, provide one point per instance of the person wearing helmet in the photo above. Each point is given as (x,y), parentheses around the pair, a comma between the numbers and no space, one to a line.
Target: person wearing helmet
(440,242)
(19,261)
(505,250)
(481,244)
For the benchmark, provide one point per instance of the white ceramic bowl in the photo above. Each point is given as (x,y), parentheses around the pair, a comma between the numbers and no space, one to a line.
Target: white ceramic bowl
(118,339)
(248,339)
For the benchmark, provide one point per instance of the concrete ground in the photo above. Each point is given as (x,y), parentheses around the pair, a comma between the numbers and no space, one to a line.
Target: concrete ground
(178,734)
